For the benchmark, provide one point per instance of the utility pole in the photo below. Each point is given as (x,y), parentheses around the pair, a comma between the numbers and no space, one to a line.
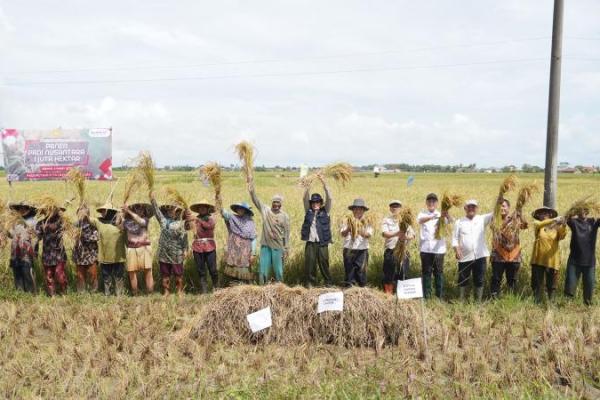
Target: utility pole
(551,171)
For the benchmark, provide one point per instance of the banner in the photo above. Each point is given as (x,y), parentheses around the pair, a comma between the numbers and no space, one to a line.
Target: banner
(31,155)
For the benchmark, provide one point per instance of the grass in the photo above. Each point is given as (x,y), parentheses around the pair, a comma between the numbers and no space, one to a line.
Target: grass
(82,346)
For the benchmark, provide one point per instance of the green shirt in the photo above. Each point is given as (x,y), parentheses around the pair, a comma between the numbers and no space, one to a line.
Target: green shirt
(111,243)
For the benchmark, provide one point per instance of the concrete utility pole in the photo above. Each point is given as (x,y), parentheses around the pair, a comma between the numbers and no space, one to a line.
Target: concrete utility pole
(550,175)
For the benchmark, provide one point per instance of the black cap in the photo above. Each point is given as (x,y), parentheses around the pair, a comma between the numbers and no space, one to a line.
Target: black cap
(316,198)
(432,196)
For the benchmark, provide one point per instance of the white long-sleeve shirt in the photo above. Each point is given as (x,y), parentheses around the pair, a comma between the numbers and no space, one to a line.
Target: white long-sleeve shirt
(359,242)
(391,225)
(428,243)
(469,236)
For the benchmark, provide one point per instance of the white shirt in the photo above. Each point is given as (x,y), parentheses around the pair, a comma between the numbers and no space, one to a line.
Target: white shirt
(392,225)
(359,242)
(428,243)
(469,236)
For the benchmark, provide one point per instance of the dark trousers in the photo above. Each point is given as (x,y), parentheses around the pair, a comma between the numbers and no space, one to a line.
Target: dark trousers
(476,268)
(538,274)
(499,268)
(316,254)
(393,270)
(432,264)
(355,266)
(113,278)
(23,274)
(207,261)
(588,275)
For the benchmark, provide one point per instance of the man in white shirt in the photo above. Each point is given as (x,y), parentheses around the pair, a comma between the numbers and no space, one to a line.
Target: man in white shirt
(468,241)
(432,250)
(356,231)
(394,269)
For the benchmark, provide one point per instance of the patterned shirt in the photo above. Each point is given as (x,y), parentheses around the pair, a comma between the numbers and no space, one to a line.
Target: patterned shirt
(23,245)
(204,237)
(85,251)
(506,242)
(137,234)
(173,240)
(50,232)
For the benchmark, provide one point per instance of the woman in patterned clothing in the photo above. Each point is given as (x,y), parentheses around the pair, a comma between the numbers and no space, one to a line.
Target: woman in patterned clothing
(85,251)
(204,246)
(23,246)
(241,242)
(50,232)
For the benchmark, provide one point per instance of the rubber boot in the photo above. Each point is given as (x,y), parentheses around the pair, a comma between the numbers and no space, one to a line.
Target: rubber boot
(179,285)
(551,296)
(439,285)
(461,293)
(478,294)
(427,286)
(203,286)
(166,283)
(388,288)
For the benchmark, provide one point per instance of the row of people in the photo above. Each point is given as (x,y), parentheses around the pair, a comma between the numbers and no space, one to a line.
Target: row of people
(118,240)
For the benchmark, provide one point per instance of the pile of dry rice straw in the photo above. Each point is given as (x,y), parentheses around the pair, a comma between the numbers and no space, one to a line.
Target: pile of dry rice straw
(370,318)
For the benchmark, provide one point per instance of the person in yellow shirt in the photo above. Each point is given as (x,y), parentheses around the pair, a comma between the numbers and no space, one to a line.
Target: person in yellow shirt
(550,229)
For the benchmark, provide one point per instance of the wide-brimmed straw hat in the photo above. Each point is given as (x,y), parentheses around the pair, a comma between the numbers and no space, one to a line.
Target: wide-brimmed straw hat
(108,206)
(358,203)
(202,203)
(165,208)
(244,205)
(22,205)
(536,214)
(142,208)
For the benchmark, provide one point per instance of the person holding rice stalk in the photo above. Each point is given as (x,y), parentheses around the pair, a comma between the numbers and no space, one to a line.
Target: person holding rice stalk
(134,220)
(23,245)
(204,246)
(316,232)
(50,231)
(550,229)
(432,249)
(394,269)
(468,241)
(85,250)
(112,255)
(356,231)
(173,243)
(275,237)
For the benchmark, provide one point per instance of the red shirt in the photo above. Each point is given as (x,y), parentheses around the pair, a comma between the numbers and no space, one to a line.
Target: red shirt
(204,241)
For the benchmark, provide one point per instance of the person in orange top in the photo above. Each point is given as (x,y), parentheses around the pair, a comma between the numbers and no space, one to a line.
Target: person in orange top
(506,252)
(550,229)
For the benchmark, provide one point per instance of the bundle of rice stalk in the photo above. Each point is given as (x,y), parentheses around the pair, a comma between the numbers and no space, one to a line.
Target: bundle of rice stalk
(585,206)
(448,201)
(76,177)
(406,220)
(132,183)
(370,318)
(47,206)
(356,225)
(211,173)
(525,194)
(11,219)
(509,183)
(145,167)
(176,198)
(340,172)
(245,152)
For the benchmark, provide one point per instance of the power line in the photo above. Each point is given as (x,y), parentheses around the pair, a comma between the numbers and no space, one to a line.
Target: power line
(281,60)
(266,75)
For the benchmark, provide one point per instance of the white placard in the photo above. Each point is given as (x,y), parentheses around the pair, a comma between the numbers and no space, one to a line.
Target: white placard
(333,301)
(260,320)
(410,289)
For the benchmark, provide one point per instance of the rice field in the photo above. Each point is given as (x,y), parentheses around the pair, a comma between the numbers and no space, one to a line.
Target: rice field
(89,346)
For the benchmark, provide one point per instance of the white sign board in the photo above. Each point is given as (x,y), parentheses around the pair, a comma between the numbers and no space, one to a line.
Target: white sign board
(410,289)
(303,170)
(333,301)
(260,320)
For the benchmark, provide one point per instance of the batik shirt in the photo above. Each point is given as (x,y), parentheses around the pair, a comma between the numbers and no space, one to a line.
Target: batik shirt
(23,244)
(173,240)
(85,251)
(50,232)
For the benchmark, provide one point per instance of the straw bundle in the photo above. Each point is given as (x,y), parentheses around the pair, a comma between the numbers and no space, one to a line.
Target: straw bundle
(356,225)
(211,172)
(340,172)
(145,168)
(176,198)
(370,318)
(132,183)
(525,194)
(76,177)
(47,206)
(509,183)
(584,206)
(245,152)
(406,221)
(448,201)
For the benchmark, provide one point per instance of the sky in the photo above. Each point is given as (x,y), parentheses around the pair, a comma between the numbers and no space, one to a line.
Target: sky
(368,82)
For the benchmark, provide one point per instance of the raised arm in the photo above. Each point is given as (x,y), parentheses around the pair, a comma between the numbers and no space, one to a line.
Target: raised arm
(253,195)
(159,215)
(328,199)
(306,199)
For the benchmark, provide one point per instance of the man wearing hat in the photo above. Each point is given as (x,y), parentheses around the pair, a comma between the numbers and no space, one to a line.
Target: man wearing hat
(356,231)
(23,246)
(136,218)
(394,269)
(111,249)
(204,246)
(275,237)
(172,243)
(50,231)
(550,229)
(316,232)
(470,247)
(431,249)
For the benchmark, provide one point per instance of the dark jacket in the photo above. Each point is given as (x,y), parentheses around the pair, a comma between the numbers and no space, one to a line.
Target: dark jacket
(323,225)
(583,240)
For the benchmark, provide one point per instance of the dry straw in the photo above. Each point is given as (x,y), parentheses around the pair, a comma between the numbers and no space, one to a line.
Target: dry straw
(211,173)
(448,201)
(583,207)
(340,172)
(145,167)
(76,177)
(406,219)
(245,152)
(176,198)
(132,184)
(526,192)
(509,184)
(357,225)
(370,318)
